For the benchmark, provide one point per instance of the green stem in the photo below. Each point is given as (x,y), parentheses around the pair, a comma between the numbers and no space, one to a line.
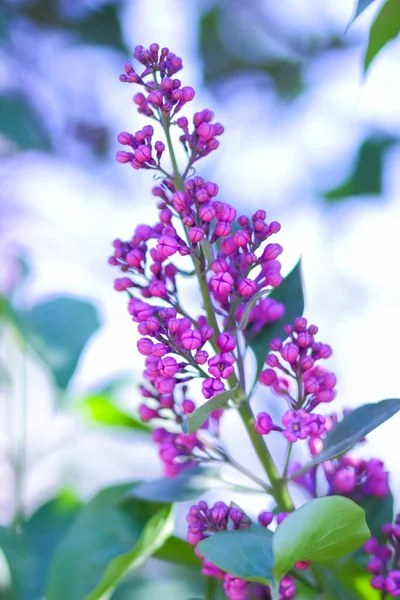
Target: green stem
(279,489)
(285,468)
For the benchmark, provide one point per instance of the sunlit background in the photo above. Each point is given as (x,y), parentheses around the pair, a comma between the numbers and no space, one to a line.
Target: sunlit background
(307,138)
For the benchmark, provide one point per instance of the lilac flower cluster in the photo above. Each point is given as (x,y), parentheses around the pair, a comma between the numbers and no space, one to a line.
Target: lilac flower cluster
(384,563)
(204,521)
(345,476)
(292,369)
(236,264)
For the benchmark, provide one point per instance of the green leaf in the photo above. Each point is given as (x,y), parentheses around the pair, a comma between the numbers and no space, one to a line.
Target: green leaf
(384,29)
(377,512)
(100,409)
(178,551)
(354,426)
(245,553)
(198,417)
(20,122)
(290,293)
(366,177)
(29,553)
(361,5)
(190,483)
(323,529)
(109,536)
(59,330)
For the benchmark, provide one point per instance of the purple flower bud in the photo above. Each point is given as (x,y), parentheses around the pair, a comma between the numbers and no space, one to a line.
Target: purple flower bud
(147,414)
(123,157)
(222,283)
(272,251)
(142,154)
(196,234)
(201,357)
(145,346)
(247,287)
(345,480)
(188,94)
(264,424)
(290,353)
(167,245)
(211,387)
(188,406)
(226,342)
(265,518)
(156,98)
(267,377)
(191,339)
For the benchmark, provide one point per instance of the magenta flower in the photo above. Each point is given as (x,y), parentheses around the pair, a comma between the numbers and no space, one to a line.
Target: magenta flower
(220,365)
(296,425)
(211,387)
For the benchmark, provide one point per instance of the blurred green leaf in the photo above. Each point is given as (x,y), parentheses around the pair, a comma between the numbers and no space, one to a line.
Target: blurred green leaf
(349,581)
(192,482)
(385,28)
(178,551)
(109,536)
(361,5)
(20,122)
(30,551)
(245,553)
(219,62)
(290,293)
(97,25)
(366,178)
(354,426)
(100,409)
(58,330)
(377,512)
(198,417)
(324,529)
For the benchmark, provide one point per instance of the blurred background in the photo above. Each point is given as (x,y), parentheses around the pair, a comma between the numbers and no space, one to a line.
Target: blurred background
(308,138)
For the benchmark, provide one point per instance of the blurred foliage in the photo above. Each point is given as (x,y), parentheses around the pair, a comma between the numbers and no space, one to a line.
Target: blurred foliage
(89,24)
(111,534)
(239,38)
(366,177)
(82,23)
(58,330)
(100,409)
(20,123)
(29,551)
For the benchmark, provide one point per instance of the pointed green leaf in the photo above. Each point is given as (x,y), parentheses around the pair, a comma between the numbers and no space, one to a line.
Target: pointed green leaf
(245,553)
(384,29)
(198,417)
(354,426)
(110,535)
(361,5)
(290,293)
(323,529)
